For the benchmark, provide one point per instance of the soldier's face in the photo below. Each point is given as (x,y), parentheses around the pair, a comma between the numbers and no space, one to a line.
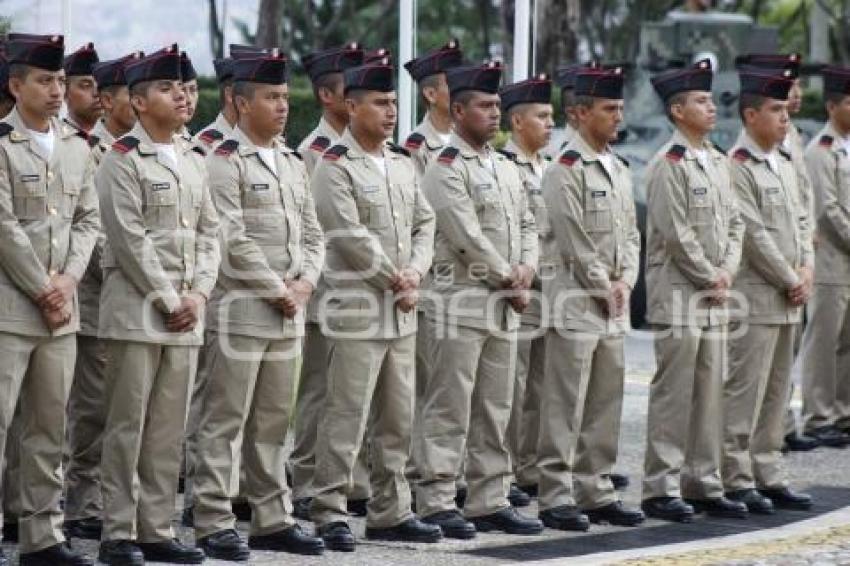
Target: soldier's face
(40,92)
(770,121)
(795,98)
(190,89)
(116,103)
(164,103)
(265,112)
(839,113)
(534,125)
(438,94)
(697,112)
(82,99)
(374,113)
(479,117)
(603,119)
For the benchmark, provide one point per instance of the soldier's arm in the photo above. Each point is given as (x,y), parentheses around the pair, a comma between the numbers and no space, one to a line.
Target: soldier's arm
(668,208)
(122,216)
(242,259)
(17,255)
(207,254)
(422,241)
(731,260)
(529,252)
(337,212)
(445,189)
(313,241)
(806,219)
(762,252)
(85,228)
(562,193)
(631,253)
(823,167)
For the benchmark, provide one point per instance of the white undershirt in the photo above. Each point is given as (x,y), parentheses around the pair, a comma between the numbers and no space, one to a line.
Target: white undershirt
(702,156)
(772,162)
(379,162)
(607,161)
(45,140)
(444,138)
(267,155)
(166,152)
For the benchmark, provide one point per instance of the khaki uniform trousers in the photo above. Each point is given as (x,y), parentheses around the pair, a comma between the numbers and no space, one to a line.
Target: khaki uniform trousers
(10,506)
(826,358)
(685,416)
(755,397)
(466,409)
(86,419)
(147,387)
(309,406)
(36,374)
(423,366)
(581,406)
(246,410)
(369,381)
(524,424)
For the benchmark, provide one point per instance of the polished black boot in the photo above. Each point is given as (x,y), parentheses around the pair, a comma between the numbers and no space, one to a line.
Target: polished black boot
(225,545)
(565,518)
(411,530)
(668,509)
(615,514)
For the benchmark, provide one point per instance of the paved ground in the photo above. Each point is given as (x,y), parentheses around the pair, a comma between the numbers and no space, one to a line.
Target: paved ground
(821,537)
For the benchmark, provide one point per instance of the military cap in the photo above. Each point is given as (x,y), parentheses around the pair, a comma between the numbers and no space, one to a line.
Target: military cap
(80,62)
(770,61)
(696,77)
(375,76)
(110,73)
(836,79)
(223,69)
(161,65)
(535,90)
(766,82)
(267,69)
(435,61)
(42,51)
(600,83)
(565,77)
(484,78)
(335,60)
(377,56)
(187,70)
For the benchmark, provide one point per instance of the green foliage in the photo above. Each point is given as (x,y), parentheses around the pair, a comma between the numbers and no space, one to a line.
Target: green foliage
(813,107)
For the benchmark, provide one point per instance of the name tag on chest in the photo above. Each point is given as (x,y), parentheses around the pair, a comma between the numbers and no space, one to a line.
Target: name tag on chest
(160,186)
(700,191)
(369,189)
(30,178)
(598,194)
(259,186)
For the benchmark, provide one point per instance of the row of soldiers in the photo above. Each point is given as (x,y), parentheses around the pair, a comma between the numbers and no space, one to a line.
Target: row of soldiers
(459,312)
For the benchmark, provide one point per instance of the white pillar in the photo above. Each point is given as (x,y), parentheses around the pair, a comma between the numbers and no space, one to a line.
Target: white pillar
(819,34)
(522,38)
(406,50)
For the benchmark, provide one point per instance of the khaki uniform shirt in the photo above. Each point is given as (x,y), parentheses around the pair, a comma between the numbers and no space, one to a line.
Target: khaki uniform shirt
(596,240)
(160,227)
(829,166)
(316,142)
(48,221)
(694,229)
(531,173)
(484,229)
(376,223)
(778,238)
(269,234)
(215,133)
(424,144)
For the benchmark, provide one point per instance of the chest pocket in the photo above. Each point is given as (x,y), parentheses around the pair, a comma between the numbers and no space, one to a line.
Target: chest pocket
(538,209)
(372,206)
(597,210)
(844,181)
(408,198)
(70,198)
(700,209)
(488,205)
(161,204)
(774,207)
(298,192)
(29,195)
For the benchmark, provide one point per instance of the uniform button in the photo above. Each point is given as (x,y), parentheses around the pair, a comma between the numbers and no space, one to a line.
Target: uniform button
(401,247)
(54,241)
(50,175)
(185,223)
(617,222)
(395,215)
(52,272)
(52,211)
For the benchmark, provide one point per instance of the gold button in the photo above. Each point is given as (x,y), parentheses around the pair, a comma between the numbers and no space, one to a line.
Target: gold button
(185,223)
(185,286)
(395,215)
(52,211)
(50,175)
(54,241)
(52,272)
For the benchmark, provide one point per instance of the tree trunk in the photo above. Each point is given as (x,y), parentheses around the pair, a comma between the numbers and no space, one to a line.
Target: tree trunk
(557,33)
(216,33)
(269,21)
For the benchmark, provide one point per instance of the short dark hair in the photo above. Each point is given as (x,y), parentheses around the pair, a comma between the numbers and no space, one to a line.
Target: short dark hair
(834,97)
(673,100)
(19,71)
(584,100)
(226,83)
(330,81)
(111,90)
(512,111)
(431,81)
(463,98)
(749,100)
(356,94)
(568,99)
(245,89)
(140,88)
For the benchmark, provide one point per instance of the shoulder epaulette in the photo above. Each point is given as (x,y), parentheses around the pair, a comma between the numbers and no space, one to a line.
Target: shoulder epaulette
(125,144)
(199,150)
(676,153)
(509,154)
(211,136)
(825,141)
(298,155)
(622,159)
(414,141)
(5,129)
(741,155)
(226,147)
(569,158)
(448,155)
(93,140)
(320,144)
(718,148)
(395,148)
(335,152)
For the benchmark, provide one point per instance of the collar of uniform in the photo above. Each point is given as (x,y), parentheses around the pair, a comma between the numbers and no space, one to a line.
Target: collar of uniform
(67,121)
(184,133)
(432,136)
(679,138)
(745,141)
(146,145)
(100,130)
(21,132)
(247,147)
(467,151)
(324,128)
(829,130)
(222,125)
(588,154)
(521,156)
(356,151)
